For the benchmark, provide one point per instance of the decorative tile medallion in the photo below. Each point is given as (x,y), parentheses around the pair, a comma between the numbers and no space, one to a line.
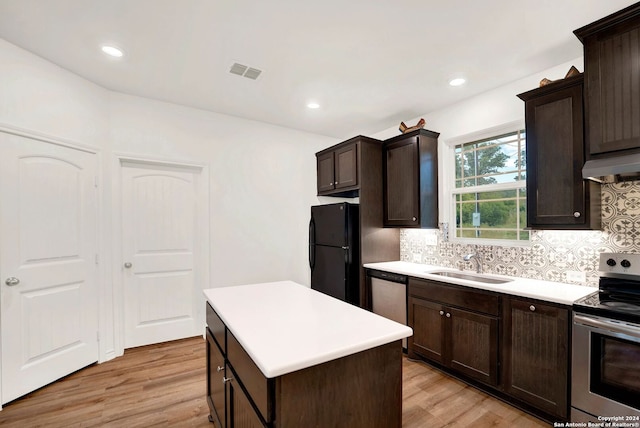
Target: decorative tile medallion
(549,254)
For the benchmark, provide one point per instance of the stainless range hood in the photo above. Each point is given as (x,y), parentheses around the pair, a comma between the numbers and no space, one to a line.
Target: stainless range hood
(613,169)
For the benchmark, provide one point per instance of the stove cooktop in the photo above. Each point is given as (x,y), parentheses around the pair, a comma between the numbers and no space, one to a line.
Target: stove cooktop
(618,296)
(620,306)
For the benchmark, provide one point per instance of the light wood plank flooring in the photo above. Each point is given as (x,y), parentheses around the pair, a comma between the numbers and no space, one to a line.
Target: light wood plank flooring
(164,386)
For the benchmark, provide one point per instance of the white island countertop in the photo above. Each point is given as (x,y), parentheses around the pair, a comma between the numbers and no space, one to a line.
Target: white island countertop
(543,290)
(285,326)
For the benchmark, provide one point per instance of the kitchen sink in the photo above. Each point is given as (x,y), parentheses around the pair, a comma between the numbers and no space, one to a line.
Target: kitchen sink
(471,277)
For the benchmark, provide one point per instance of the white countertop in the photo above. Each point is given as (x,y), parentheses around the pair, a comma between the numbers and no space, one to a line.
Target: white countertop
(285,326)
(543,290)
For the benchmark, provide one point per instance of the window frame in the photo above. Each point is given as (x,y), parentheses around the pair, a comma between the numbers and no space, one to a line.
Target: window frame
(450,191)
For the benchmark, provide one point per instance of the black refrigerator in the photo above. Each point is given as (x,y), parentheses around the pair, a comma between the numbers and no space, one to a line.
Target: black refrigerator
(334,256)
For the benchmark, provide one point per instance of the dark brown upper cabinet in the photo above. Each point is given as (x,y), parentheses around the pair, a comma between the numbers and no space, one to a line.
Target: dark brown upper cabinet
(411,180)
(338,169)
(612,83)
(557,195)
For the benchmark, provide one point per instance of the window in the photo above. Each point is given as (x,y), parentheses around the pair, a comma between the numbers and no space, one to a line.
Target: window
(489,195)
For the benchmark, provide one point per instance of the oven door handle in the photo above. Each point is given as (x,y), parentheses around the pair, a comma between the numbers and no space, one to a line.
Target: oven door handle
(615,327)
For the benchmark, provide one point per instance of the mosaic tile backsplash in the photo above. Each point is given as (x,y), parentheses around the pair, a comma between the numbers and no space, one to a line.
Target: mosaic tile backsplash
(558,256)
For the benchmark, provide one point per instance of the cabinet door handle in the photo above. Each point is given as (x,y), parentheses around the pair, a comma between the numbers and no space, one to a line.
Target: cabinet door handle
(448,315)
(335,182)
(413,218)
(532,308)
(226,379)
(576,214)
(220,368)
(441,313)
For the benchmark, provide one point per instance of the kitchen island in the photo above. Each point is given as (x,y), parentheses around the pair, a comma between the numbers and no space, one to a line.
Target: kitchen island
(283,355)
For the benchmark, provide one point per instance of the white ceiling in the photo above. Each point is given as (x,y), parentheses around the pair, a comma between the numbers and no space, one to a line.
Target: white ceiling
(370,64)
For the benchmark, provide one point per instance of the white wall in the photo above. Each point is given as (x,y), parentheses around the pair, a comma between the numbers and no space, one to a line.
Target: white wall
(263,181)
(262,177)
(40,96)
(487,110)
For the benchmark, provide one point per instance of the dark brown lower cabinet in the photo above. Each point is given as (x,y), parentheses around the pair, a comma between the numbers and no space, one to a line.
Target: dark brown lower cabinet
(454,337)
(474,345)
(536,354)
(514,347)
(428,329)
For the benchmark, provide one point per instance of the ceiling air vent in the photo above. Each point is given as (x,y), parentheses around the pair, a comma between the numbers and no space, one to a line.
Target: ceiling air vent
(252,73)
(243,70)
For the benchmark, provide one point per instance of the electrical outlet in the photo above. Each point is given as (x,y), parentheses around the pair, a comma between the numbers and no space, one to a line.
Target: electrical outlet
(431,239)
(576,276)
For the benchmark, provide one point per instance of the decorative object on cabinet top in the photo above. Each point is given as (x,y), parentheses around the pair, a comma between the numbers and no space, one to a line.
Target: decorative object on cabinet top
(404,128)
(573,71)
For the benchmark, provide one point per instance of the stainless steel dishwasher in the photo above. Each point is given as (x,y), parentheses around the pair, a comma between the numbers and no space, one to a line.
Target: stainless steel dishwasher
(389,296)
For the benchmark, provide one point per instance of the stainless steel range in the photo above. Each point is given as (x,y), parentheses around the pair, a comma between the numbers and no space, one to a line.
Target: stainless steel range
(606,346)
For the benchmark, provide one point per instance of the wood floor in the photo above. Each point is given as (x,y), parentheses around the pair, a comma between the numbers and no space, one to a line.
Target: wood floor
(164,386)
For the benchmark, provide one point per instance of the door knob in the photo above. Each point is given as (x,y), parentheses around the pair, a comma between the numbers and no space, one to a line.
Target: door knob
(12,281)
(128,265)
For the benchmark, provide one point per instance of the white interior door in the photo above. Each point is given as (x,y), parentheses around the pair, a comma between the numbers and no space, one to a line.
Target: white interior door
(48,248)
(160,239)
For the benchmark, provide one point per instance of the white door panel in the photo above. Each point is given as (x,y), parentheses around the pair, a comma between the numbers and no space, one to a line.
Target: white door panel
(48,228)
(159,221)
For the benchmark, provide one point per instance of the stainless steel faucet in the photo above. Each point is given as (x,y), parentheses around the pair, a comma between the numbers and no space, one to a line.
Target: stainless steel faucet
(476,258)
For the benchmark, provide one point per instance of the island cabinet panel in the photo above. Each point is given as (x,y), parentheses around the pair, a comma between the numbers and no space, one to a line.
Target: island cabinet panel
(217,329)
(361,390)
(215,382)
(612,82)
(456,328)
(536,354)
(346,392)
(250,376)
(240,410)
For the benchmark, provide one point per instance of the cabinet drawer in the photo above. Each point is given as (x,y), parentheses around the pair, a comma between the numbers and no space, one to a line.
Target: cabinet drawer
(455,296)
(217,328)
(250,376)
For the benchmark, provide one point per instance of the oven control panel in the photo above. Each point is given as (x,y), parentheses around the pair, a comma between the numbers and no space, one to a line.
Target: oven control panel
(623,263)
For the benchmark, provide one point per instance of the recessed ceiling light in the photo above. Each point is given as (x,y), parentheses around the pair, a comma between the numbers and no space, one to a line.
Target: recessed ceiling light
(112,51)
(457,81)
(313,105)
